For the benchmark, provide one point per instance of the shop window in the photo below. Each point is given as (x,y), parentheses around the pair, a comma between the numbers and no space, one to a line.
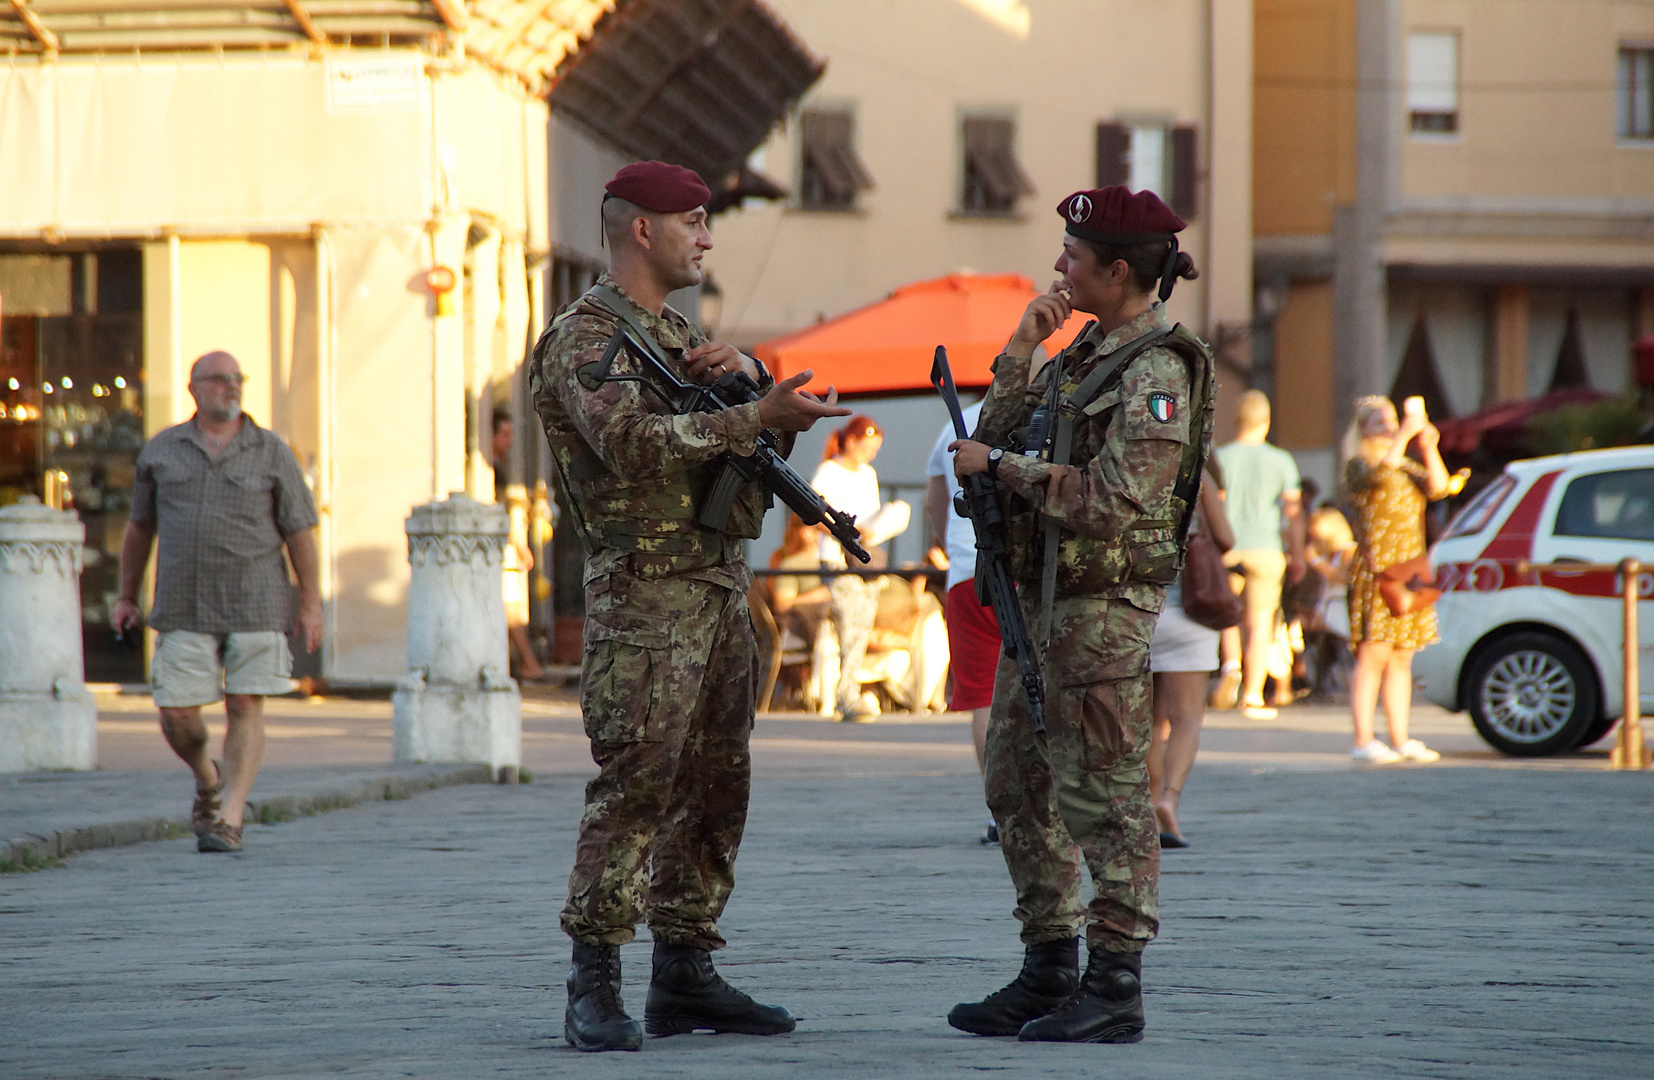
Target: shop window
(830,175)
(571,276)
(1152,157)
(1433,83)
(993,178)
(1635,96)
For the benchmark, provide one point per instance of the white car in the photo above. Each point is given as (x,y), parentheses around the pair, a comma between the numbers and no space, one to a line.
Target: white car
(1536,656)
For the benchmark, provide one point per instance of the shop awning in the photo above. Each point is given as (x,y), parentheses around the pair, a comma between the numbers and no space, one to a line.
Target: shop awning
(887,347)
(699,83)
(1502,429)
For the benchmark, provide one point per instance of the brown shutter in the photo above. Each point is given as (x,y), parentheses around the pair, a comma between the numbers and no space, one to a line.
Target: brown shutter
(1113,148)
(991,165)
(1185,200)
(833,175)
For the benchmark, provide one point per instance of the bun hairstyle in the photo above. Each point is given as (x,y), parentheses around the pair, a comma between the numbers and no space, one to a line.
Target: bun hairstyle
(1149,263)
(857,428)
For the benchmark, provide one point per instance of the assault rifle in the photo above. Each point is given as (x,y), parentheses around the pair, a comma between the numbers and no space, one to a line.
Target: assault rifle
(767,465)
(977,501)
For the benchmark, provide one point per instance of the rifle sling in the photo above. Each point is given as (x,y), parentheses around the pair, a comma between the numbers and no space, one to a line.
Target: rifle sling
(616,305)
(1108,367)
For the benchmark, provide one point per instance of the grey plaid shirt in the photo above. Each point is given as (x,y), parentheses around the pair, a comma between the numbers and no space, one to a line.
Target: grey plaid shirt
(220,568)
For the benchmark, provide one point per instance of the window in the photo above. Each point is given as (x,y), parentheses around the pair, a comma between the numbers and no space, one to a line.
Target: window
(1635,98)
(1433,83)
(994,180)
(1611,505)
(571,276)
(1475,517)
(830,175)
(1151,157)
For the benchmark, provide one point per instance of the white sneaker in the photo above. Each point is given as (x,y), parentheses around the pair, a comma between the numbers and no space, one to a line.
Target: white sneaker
(1375,753)
(1413,750)
(1257,710)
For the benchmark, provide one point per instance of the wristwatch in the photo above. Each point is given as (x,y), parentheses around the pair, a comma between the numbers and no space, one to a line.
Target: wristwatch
(993,461)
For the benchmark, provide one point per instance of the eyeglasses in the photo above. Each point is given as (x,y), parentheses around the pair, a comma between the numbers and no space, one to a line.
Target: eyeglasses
(235,379)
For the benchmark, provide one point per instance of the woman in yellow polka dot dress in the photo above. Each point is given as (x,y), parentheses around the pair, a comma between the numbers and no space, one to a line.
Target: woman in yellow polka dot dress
(1389,492)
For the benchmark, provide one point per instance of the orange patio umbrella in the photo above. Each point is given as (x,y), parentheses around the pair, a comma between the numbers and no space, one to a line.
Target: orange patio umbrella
(887,347)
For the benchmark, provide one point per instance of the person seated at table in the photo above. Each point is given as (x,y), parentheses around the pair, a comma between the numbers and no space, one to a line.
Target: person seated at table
(799,602)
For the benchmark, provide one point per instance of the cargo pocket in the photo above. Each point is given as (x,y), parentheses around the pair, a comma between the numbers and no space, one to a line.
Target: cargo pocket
(627,653)
(1115,712)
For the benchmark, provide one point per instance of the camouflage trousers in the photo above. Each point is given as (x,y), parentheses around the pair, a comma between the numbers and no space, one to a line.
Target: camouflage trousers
(1080,793)
(668,689)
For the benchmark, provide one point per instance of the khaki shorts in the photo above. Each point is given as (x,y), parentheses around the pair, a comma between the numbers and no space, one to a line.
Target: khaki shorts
(1265,570)
(199,669)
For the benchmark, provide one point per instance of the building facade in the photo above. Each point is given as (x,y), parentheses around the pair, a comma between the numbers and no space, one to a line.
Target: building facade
(1450,196)
(945,132)
(353,203)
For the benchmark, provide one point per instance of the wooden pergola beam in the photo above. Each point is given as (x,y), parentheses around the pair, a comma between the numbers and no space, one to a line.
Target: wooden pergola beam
(452,12)
(47,39)
(301,15)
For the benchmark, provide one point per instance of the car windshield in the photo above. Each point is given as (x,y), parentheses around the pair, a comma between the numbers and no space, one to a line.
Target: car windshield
(1474,518)
(1612,505)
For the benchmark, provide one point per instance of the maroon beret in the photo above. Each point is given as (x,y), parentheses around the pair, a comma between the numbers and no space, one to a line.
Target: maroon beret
(1113,215)
(657,186)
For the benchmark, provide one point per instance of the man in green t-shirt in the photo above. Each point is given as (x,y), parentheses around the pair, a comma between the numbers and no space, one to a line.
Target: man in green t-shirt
(1261,486)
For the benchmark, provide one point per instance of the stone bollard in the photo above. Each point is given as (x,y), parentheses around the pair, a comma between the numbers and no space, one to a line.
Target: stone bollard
(47,719)
(458,702)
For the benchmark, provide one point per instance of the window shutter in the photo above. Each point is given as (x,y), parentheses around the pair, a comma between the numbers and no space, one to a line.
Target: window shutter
(1113,149)
(994,179)
(832,174)
(1185,200)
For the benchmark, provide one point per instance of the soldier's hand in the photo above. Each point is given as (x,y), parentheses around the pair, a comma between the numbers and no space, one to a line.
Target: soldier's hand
(968,457)
(1045,313)
(791,409)
(709,361)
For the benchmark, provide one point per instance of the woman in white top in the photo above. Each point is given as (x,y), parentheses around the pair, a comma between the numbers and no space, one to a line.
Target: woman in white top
(847,481)
(1182,655)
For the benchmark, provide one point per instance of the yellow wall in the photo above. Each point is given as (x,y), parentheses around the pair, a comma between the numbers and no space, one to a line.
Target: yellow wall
(1303,161)
(909,70)
(1536,102)
(1303,416)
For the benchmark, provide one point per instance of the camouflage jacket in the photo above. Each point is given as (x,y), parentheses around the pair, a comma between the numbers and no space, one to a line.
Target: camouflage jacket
(634,471)
(1114,502)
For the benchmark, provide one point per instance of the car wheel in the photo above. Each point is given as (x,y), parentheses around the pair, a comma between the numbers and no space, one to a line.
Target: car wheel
(1532,695)
(1601,726)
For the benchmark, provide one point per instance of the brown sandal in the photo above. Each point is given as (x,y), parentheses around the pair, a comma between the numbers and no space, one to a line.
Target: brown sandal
(209,803)
(220,837)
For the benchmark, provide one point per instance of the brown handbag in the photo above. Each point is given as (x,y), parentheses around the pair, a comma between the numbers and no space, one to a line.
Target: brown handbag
(1207,598)
(1408,586)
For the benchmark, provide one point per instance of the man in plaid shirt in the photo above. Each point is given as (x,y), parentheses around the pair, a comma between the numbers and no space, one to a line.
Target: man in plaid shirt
(225,497)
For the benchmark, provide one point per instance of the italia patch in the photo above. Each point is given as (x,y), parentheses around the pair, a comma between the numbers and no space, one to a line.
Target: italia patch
(1162,406)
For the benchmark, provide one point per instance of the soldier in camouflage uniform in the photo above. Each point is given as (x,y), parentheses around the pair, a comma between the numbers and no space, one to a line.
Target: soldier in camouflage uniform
(1105,485)
(668,686)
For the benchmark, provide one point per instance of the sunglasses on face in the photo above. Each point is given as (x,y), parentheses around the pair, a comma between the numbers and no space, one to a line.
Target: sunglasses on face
(223,381)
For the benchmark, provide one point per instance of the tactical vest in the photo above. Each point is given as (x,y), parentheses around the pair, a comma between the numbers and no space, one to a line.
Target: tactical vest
(652,520)
(1149,551)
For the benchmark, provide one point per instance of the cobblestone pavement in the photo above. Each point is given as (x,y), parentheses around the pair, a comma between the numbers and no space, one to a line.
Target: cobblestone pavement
(1330,921)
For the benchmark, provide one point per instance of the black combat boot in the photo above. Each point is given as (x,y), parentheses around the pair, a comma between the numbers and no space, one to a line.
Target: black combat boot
(685,993)
(1050,972)
(1108,1007)
(595,1019)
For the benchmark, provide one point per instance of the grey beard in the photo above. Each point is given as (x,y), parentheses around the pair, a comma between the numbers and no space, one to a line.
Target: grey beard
(225,414)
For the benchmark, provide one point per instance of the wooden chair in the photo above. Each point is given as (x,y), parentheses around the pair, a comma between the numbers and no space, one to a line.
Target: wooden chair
(772,642)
